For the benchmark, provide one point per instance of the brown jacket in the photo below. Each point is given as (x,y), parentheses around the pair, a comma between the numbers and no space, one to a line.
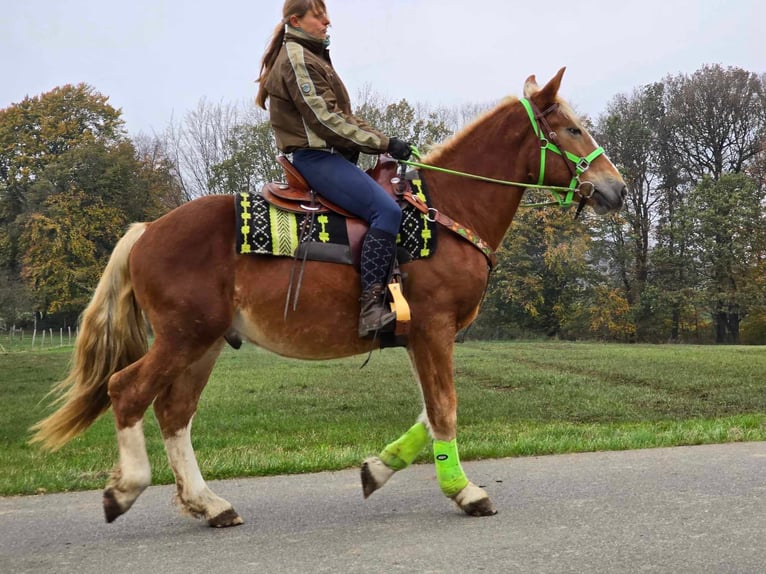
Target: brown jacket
(309,106)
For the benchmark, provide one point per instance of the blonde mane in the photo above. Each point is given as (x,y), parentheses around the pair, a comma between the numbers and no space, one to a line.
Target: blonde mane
(437,152)
(439,149)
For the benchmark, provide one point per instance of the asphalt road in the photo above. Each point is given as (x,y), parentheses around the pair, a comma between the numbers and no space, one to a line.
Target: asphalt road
(682,510)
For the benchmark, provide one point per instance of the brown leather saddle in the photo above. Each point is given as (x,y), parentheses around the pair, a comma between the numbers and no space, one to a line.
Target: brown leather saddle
(296,196)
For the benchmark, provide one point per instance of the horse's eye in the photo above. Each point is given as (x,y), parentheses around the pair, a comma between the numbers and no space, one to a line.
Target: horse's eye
(575,131)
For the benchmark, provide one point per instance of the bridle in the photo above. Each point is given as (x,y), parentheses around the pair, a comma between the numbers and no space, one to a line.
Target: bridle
(549,141)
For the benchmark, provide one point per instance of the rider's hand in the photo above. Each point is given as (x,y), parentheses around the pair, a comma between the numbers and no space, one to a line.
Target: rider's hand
(399,149)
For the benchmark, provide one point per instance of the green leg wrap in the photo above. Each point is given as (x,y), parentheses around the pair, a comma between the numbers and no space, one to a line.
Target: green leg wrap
(400,453)
(450,474)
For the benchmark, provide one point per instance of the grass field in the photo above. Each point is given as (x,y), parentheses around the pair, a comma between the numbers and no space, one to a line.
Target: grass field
(262,414)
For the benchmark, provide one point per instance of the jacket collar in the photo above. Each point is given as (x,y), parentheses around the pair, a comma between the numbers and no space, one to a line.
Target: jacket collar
(309,42)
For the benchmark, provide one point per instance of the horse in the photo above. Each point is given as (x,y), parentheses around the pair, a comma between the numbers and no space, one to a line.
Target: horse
(182,274)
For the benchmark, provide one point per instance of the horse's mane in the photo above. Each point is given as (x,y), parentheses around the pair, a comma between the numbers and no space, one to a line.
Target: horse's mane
(439,150)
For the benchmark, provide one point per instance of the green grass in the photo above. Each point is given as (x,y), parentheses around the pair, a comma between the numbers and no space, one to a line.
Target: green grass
(262,414)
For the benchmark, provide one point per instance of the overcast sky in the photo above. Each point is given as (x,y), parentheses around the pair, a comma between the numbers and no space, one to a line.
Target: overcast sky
(156,59)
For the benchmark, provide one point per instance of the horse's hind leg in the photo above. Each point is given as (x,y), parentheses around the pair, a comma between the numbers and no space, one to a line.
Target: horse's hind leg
(131,391)
(175,407)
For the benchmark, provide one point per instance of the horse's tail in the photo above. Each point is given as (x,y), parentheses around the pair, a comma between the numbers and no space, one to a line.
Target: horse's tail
(112,336)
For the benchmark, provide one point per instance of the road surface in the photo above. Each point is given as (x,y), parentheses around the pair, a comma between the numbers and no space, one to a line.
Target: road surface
(678,510)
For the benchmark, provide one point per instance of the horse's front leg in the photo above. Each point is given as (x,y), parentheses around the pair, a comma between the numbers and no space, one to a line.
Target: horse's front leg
(397,456)
(431,355)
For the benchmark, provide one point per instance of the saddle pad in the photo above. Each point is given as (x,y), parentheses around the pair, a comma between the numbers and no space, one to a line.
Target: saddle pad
(263,229)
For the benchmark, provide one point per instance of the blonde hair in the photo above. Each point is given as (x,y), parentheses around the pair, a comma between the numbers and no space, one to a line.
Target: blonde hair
(291,8)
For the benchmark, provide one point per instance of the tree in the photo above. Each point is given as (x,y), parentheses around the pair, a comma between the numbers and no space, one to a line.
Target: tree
(251,162)
(729,235)
(65,250)
(716,121)
(542,274)
(718,117)
(421,126)
(630,131)
(70,180)
(199,143)
(36,131)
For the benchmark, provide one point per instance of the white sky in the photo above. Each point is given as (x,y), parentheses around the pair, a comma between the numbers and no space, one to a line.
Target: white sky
(156,59)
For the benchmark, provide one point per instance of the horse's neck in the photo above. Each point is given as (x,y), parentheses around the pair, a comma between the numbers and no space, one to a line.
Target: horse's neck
(488,148)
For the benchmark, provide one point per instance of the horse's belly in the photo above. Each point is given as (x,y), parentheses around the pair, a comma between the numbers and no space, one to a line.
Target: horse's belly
(304,338)
(320,324)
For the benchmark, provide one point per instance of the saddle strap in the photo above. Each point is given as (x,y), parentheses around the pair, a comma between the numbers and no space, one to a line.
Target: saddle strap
(452,225)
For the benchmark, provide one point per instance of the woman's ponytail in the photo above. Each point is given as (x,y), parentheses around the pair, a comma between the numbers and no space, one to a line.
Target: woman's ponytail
(268,62)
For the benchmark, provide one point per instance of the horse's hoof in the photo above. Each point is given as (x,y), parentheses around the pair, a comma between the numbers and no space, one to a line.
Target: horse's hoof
(481,507)
(112,508)
(226,518)
(474,501)
(375,474)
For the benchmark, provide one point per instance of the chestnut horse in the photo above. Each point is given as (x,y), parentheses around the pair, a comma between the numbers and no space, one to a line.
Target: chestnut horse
(181,273)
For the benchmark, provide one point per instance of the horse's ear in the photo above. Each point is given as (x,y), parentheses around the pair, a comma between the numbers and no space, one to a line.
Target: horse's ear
(531,87)
(551,89)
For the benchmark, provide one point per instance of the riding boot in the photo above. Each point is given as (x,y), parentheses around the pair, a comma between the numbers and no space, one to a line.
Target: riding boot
(377,257)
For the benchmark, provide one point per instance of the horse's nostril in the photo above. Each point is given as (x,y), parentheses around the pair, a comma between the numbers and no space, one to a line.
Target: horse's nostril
(624,192)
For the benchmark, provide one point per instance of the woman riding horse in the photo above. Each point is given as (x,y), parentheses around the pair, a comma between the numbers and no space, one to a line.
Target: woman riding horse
(310,113)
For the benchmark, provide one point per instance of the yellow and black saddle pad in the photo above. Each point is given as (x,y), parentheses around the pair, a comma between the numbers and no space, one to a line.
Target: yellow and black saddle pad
(263,229)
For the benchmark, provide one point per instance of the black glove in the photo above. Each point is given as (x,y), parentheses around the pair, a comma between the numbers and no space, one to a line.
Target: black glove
(399,149)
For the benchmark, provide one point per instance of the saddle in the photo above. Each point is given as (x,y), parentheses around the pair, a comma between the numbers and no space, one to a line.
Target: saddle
(296,196)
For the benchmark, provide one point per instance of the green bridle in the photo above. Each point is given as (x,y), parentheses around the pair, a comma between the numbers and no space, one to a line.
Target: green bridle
(548,142)
(577,165)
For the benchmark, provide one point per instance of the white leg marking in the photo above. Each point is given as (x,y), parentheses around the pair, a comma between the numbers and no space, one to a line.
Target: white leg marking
(135,474)
(469,495)
(193,492)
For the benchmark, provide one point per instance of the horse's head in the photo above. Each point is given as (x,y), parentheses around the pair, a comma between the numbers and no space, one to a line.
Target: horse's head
(565,154)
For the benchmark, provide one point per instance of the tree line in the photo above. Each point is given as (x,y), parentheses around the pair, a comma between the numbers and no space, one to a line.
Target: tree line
(684,261)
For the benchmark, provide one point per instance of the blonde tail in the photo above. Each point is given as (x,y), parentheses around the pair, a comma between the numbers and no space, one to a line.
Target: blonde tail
(112,336)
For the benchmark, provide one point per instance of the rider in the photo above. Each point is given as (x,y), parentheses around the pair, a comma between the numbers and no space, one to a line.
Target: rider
(310,113)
